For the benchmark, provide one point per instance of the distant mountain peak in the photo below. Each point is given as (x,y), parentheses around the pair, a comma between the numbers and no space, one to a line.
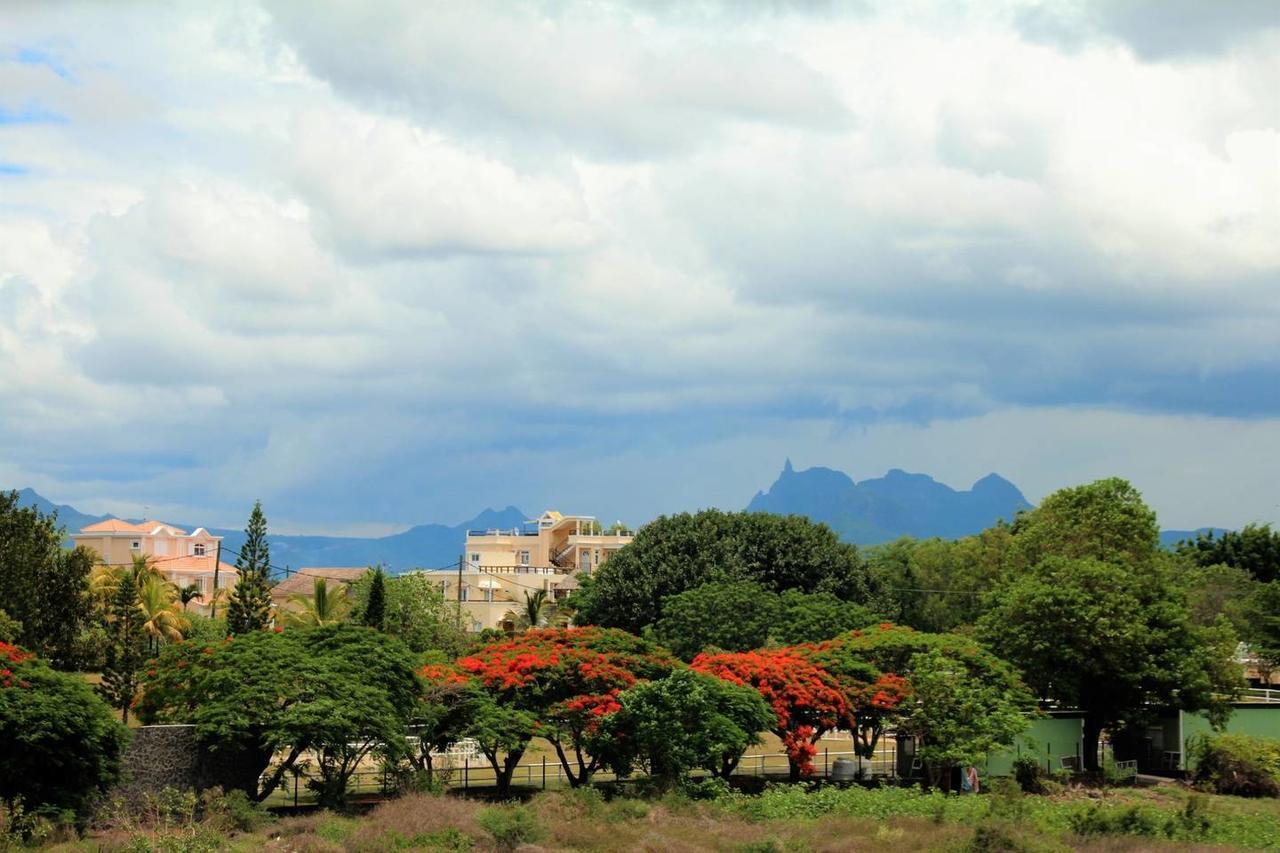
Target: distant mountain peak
(786,467)
(880,509)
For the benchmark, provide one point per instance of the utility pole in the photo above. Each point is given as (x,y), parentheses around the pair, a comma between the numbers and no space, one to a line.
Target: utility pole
(217,564)
(461,557)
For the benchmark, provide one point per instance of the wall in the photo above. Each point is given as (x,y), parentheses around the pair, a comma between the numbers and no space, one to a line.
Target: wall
(1252,718)
(159,757)
(1048,739)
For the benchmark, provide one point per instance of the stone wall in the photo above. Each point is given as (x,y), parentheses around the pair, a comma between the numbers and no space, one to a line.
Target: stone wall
(160,757)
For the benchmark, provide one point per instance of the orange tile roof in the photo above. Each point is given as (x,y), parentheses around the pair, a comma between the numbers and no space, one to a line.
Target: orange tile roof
(302,581)
(190,564)
(119,525)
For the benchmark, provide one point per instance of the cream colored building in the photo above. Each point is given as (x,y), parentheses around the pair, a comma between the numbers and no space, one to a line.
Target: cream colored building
(499,567)
(183,558)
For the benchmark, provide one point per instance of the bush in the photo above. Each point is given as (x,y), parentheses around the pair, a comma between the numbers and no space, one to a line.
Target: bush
(62,743)
(993,838)
(1239,765)
(510,826)
(233,810)
(1029,774)
(1097,820)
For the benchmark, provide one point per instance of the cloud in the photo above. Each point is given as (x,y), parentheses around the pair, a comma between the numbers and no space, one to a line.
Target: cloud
(387,265)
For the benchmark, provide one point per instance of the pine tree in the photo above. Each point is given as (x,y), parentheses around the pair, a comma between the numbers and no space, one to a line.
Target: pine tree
(124,655)
(375,611)
(250,607)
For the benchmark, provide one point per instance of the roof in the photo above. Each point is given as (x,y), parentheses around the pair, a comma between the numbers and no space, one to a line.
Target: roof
(190,564)
(302,581)
(119,525)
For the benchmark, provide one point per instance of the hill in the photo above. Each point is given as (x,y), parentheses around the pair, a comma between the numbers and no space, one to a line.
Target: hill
(423,546)
(885,508)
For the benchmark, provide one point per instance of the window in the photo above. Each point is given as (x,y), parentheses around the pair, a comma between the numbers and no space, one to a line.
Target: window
(199,549)
(462,593)
(584,560)
(524,558)
(488,595)
(135,545)
(475,559)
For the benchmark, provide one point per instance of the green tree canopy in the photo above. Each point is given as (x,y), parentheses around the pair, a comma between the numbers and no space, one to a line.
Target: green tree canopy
(250,607)
(687,721)
(740,616)
(415,611)
(680,552)
(43,586)
(1104,520)
(1114,640)
(337,691)
(62,744)
(1255,549)
(374,614)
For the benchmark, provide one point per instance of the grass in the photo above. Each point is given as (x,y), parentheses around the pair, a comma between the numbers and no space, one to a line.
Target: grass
(784,819)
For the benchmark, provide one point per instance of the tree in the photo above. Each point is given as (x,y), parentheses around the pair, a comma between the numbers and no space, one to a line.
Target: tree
(685,721)
(681,552)
(956,719)
(810,617)
(62,743)
(43,586)
(416,612)
(1112,639)
(733,617)
(325,606)
(567,680)
(162,616)
(122,671)
(188,594)
(375,608)
(336,692)
(250,608)
(1105,520)
(1255,549)
(806,700)
(1263,635)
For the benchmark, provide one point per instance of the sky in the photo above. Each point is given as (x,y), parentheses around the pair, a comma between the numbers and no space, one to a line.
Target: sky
(387,264)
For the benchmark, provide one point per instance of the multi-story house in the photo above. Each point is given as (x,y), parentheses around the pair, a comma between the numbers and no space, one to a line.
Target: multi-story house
(498,567)
(182,558)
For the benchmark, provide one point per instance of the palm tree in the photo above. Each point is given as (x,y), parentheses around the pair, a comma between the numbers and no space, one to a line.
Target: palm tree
(144,567)
(324,606)
(189,593)
(530,616)
(162,617)
(104,580)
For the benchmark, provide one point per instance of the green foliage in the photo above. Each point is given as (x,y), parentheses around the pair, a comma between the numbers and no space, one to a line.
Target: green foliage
(121,674)
(415,611)
(42,586)
(375,606)
(233,810)
(336,692)
(1239,765)
(327,605)
(685,721)
(1263,631)
(250,607)
(10,628)
(939,585)
(205,631)
(734,617)
(1255,549)
(681,552)
(61,743)
(1112,639)
(959,715)
(510,826)
(740,616)
(1106,521)
(1029,774)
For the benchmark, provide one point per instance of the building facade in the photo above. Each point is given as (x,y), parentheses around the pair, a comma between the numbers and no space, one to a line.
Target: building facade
(182,558)
(498,568)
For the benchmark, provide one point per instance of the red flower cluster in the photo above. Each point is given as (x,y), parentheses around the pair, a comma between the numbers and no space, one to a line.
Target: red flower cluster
(806,699)
(10,656)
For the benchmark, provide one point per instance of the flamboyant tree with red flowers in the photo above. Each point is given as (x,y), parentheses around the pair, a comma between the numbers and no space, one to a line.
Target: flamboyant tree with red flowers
(807,701)
(557,683)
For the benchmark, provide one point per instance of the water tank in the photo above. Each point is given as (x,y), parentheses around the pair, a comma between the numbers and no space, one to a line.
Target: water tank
(845,769)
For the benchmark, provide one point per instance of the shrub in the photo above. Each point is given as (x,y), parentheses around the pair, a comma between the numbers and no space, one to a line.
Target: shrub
(510,826)
(62,743)
(1029,774)
(1097,820)
(1236,764)
(233,810)
(994,838)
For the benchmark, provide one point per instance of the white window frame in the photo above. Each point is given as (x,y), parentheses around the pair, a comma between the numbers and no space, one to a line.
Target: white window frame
(199,549)
(135,545)
(524,558)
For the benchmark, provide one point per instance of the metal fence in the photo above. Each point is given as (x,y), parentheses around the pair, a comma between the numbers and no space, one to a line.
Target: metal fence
(546,773)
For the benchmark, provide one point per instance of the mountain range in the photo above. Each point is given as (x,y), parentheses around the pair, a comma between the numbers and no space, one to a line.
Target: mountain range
(884,508)
(869,512)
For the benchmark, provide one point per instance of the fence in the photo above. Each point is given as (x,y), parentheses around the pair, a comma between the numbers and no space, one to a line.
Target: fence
(546,773)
